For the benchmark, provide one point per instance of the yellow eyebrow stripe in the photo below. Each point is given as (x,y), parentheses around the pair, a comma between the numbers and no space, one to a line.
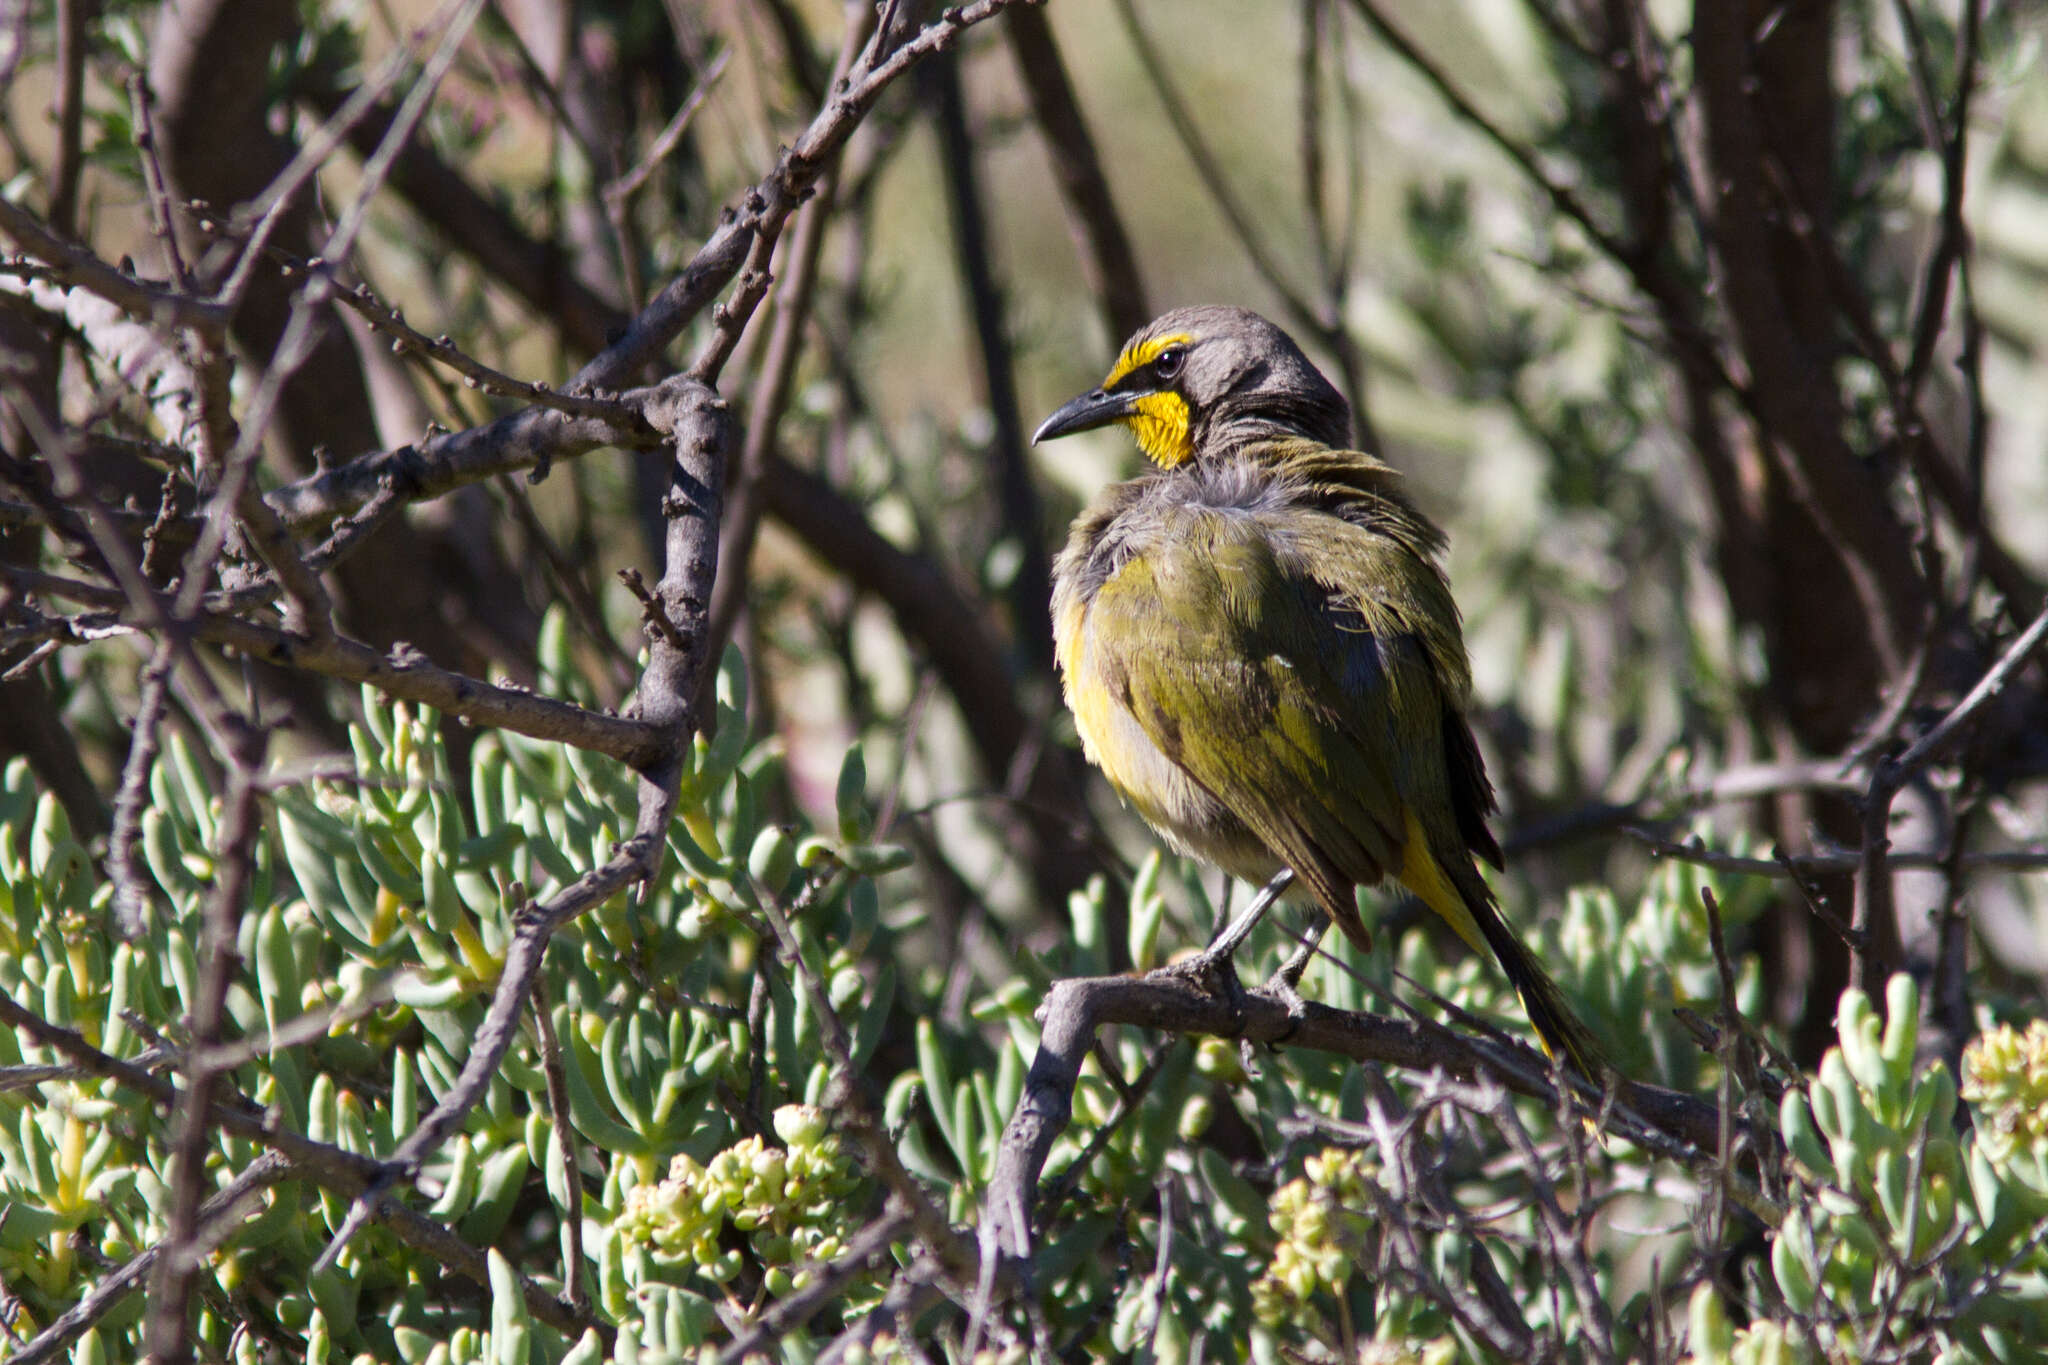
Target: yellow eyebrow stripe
(1141,353)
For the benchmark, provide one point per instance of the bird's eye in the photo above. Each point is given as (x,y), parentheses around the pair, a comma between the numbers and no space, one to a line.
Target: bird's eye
(1169,362)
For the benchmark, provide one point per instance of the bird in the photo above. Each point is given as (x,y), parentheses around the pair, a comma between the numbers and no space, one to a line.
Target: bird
(1260,648)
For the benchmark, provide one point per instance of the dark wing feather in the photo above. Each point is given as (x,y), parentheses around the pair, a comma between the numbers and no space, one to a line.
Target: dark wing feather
(1471,790)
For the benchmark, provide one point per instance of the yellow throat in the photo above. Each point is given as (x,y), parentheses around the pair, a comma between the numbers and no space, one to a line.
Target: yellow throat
(1159,421)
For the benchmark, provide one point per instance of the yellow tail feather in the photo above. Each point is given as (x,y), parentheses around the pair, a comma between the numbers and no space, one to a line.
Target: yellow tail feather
(1471,913)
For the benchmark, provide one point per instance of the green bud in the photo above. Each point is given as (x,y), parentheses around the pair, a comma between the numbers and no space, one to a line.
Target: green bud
(851,794)
(1858,1027)
(1712,1336)
(773,859)
(800,1125)
(1891,1177)
(459,1190)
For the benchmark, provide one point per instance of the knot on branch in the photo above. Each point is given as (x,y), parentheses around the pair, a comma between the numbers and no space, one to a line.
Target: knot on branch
(690,416)
(404,473)
(654,613)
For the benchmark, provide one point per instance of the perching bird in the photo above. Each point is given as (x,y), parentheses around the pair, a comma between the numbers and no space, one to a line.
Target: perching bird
(1261,651)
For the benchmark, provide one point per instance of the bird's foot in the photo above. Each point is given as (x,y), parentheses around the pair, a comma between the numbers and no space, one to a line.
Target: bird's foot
(1284,987)
(1286,983)
(1214,972)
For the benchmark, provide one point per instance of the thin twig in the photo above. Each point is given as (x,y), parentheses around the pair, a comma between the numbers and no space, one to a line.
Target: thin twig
(409,340)
(1805,867)
(1109,264)
(176,1276)
(1952,146)
(332,1168)
(849,1092)
(1130,1097)
(1322,318)
(532,927)
(564,1129)
(791,1313)
(1021,513)
(619,194)
(1889,776)
(49,1344)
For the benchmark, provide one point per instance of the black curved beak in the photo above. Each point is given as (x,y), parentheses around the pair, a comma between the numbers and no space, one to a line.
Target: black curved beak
(1089,411)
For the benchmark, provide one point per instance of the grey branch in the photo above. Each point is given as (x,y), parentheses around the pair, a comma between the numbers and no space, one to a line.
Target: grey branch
(1074,1010)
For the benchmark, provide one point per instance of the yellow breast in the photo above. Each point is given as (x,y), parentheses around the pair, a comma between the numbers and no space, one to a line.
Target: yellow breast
(1186,815)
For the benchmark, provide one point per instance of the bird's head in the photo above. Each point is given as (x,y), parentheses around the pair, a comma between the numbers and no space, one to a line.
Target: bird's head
(1204,379)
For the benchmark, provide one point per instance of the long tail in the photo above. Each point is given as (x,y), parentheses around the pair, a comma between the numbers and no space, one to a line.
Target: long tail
(1461,896)
(1563,1034)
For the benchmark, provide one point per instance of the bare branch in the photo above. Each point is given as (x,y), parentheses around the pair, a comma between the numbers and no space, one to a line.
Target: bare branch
(620,193)
(1171,1002)
(573,1270)
(176,1275)
(700,432)
(132,893)
(748,236)
(442,464)
(1108,262)
(79,266)
(329,1166)
(793,1312)
(1017,501)
(532,927)
(50,1344)
(1888,776)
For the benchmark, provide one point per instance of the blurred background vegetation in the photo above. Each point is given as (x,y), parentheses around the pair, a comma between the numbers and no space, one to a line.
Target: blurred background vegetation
(1716,337)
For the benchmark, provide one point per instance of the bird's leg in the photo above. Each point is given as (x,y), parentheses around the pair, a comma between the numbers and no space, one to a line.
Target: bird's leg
(1234,935)
(1214,965)
(1285,985)
(1289,975)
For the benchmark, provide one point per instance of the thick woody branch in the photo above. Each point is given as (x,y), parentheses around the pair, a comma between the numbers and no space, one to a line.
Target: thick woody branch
(1172,1002)
(699,429)
(694,418)
(524,440)
(1108,262)
(1792,390)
